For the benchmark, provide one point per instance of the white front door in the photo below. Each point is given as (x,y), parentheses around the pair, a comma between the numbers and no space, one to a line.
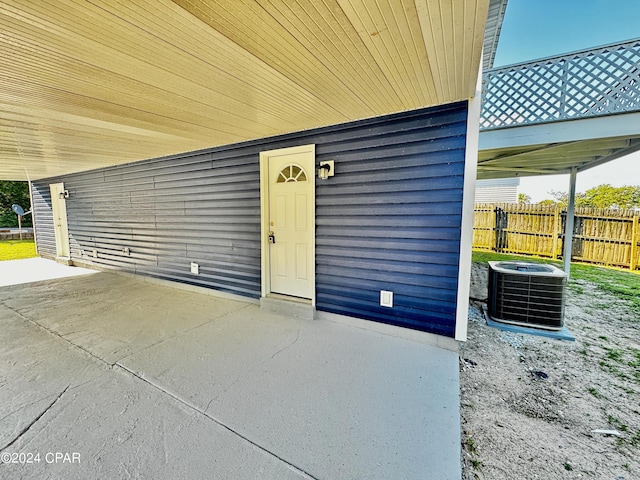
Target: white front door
(289,220)
(59,210)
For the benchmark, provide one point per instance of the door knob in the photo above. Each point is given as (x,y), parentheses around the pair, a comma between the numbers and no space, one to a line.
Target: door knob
(272,237)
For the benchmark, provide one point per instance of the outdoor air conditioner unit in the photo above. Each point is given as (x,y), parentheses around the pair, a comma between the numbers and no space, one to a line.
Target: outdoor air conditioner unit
(527,294)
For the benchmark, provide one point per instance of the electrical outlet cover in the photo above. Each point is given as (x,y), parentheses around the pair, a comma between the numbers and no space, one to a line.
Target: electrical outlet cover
(386,298)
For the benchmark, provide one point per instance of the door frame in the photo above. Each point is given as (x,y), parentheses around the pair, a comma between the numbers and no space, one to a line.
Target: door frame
(265,262)
(61,233)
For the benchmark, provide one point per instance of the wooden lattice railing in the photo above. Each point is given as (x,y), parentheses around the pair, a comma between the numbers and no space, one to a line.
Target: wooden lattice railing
(599,81)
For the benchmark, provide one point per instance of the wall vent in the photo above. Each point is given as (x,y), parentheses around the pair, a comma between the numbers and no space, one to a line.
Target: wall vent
(527,294)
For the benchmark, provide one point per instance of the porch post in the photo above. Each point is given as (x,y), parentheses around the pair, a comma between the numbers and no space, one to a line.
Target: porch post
(568,232)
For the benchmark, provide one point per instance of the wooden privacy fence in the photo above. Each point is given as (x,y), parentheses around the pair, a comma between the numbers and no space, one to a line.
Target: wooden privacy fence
(609,237)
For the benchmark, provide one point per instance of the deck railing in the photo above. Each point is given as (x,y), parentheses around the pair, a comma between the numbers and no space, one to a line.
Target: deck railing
(588,83)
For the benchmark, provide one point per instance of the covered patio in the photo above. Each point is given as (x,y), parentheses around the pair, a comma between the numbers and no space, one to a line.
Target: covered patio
(148,381)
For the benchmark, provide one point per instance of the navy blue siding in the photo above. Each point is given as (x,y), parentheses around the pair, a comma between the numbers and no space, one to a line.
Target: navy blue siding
(169,213)
(389,220)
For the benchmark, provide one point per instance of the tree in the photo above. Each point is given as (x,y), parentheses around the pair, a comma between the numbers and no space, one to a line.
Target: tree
(562,198)
(602,196)
(557,197)
(10,193)
(524,198)
(607,196)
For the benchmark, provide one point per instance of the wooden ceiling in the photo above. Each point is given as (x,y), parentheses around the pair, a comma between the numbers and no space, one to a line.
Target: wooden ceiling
(86,84)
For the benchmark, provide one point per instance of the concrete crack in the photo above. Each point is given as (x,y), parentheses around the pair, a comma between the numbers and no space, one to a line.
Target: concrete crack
(219,422)
(290,345)
(228,388)
(26,429)
(249,371)
(179,334)
(101,360)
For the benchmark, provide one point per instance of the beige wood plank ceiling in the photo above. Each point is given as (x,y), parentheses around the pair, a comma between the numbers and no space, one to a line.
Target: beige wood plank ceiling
(85,84)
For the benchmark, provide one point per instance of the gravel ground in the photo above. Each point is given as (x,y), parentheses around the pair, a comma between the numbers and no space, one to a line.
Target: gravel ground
(532,407)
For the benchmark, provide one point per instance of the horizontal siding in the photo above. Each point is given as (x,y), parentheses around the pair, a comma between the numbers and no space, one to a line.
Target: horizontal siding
(43,219)
(388,220)
(501,190)
(177,212)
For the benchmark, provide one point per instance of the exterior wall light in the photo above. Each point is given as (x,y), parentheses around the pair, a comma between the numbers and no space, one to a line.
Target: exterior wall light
(64,194)
(326,169)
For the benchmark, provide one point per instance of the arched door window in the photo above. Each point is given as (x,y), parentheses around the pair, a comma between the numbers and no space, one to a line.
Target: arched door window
(292,173)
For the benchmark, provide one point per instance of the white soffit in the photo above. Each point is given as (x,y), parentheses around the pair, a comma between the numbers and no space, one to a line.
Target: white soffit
(90,84)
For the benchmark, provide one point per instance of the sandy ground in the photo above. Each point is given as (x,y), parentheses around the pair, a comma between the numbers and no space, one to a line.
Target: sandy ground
(530,405)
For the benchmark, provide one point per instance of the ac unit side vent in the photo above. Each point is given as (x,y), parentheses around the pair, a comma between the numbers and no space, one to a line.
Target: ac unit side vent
(527,294)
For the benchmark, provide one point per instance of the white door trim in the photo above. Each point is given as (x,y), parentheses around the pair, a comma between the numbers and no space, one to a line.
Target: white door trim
(61,228)
(265,266)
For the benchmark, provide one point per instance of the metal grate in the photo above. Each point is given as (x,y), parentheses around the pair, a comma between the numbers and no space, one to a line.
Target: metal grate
(589,83)
(526,294)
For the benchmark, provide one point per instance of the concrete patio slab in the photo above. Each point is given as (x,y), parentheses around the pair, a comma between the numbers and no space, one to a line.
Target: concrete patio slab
(118,427)
(15,272)
(146,381)
(113,316)
(375,406)
(35,367)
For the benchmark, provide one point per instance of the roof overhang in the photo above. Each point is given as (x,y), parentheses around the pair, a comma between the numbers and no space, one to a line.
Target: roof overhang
(497,9)
(90,84)
(557,147)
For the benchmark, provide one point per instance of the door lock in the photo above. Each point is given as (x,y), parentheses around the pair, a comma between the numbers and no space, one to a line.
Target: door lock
(272,237)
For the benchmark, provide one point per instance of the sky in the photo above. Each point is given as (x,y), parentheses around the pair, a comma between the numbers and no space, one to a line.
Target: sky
(534,29)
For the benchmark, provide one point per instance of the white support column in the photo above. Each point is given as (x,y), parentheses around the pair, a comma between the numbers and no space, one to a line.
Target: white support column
(468,197)
(568,232)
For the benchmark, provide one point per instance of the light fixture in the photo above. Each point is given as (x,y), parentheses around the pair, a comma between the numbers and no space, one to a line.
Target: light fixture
(64,194)
(326,169)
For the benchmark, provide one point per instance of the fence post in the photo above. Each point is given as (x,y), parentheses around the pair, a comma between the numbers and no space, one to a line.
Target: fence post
(634,243)
(556,232)
(492,244)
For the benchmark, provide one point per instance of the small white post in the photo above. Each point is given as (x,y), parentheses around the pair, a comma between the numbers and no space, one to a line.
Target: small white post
(568,232)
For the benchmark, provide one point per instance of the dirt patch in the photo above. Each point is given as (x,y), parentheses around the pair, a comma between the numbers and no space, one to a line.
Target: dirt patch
(530,405)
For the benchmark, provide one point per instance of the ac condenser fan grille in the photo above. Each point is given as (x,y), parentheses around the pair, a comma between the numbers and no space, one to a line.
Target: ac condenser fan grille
(526,294)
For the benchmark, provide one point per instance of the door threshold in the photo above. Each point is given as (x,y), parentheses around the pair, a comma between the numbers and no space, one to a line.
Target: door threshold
(288,306)
(289,298)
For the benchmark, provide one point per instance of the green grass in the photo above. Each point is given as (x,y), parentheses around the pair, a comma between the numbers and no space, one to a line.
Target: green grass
(471,446)
(615,423)
(594,392)
(636,361)
(612,369)
(17,249)
(621,284)
(614,354)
